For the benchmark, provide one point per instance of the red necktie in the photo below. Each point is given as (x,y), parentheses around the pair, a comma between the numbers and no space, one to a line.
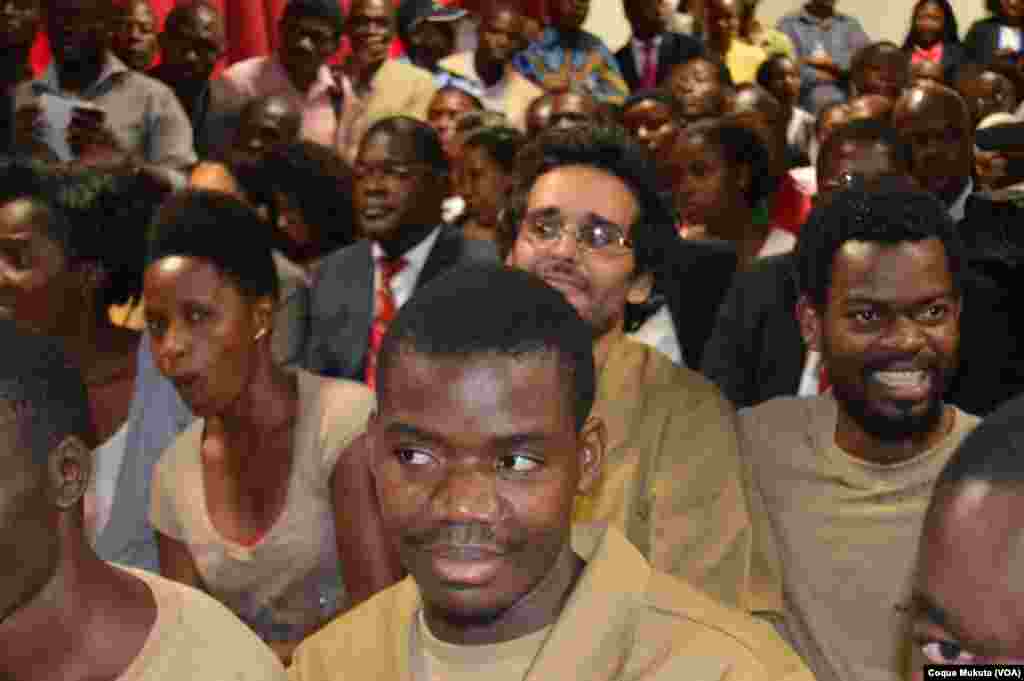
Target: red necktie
(384,312)
(823,383)
(650,78)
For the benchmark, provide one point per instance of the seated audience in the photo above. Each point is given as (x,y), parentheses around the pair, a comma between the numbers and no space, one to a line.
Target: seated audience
(568,57)
(825,43)
(192,42)
(538,114)
(722,40)
(997,37)
(427,30)
(76,247)
(829,118)
(845,475)
(488,174)
(488,68)
(871,107)
(654,120)
(656,491)
(401,179)
(755,352)
(500,580)
(123,115)
(965,607)
(446,106)
(134,35)
(985,92)
(67,614)
(702,86)
(879,69)
(19,27)
(264,124)
(780,76)
(768,38)
(242,501)
(997,156)
(924,72)
(723,173)
(571,108)
(934,38)
(648,57)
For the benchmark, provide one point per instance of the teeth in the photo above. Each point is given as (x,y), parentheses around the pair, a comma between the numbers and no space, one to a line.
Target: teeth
(901,379)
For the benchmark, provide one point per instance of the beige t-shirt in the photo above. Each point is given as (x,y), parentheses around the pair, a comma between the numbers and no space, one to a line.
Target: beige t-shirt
(196,638)
(289,582)
(436,660)
(847,533)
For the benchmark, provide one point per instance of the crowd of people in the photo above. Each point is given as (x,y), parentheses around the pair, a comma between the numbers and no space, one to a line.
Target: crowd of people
(485,349)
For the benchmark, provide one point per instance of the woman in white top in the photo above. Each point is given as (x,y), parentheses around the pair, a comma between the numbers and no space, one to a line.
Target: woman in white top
(244,501)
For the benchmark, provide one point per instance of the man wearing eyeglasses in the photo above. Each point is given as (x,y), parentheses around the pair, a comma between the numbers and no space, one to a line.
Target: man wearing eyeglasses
(401,180)
(589,222)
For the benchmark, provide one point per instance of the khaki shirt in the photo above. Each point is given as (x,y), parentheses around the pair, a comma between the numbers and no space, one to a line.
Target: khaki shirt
(624,620)
(847,532)
(673,480)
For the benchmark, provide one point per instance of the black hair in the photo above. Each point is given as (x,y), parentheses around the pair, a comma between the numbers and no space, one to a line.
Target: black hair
(184,9)
(533,319)
(501,144)
(219,228)
(724,75)
(658,95)
(764,71)
(739,146)
(891,212)
(612,150)
(422,139)
(993,452)
(328,10)
(97,217)
(950,30)
(870,54)
(868,131)
(43,391)
(320,184)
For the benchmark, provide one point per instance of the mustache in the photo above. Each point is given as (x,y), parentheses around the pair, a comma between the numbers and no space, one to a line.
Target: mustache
(455,534)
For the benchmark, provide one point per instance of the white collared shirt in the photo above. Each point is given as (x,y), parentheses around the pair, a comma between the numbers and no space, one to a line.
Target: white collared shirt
(957,208)
(404,283)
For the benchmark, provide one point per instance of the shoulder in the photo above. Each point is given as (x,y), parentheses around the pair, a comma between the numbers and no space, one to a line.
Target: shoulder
(339,263)
(201,638)
(780,419)
(395,70)
(142,82)
(657,375)
(707,632)
(460,63)
(183,452)
(344,404)
(451,243)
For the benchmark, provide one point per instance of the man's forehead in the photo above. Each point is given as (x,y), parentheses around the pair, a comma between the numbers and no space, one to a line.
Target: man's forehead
(567,184)
(370,8)
(905,270)
(387,144)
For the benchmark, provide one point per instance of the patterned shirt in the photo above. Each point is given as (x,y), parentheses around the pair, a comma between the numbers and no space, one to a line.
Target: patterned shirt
(588,63)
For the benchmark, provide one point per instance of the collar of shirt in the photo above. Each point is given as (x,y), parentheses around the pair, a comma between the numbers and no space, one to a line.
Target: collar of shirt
(404,282)
(956,209)
(50,80)
(640,50)
(324,80)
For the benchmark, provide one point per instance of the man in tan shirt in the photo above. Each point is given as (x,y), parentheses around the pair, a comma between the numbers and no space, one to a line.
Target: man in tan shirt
(64,613)
(846,475)
(673,481)
(483,439)
(968,607)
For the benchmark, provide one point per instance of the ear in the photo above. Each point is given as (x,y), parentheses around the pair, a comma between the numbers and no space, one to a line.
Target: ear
(592,441)
(68,469)
(263,317)
(640,288)
(810,320)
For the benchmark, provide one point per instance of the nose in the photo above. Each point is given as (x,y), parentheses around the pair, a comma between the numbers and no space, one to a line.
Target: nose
(906,336)
(170,348)
(468,496)
(566,245)
(305,44)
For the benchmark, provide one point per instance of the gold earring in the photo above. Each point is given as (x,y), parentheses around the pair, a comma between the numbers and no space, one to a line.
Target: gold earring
(260,334)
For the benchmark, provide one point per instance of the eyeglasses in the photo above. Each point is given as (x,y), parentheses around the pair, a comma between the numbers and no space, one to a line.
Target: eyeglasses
(547,227)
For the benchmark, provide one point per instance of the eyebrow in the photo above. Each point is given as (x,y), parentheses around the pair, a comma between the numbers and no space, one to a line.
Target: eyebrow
(862,299)
(589,218)
(502,441)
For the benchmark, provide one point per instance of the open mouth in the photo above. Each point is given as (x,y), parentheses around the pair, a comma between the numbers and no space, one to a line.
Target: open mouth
(910,385)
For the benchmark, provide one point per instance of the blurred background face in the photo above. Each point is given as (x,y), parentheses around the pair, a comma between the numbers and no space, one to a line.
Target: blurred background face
(929,22)
(698,88)
(485,184)
(568,15)
(1012,11)
(443,113)
(430,42)
(723,22)
(784,82)
(570,109)
(19,23)
(79,30)
(501,35)
(927,72)
(987,93)
(265,127)
(193,46)
(371,28)
(135,35)
(886,74)
(307,42)
(653,124)
(645,17)
(707,187)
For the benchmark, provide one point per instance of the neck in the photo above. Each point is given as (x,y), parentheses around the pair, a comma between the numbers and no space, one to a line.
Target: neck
(85,605)
(822,11)
(362,73)
(604,343)
(534,611)
(489,70)
(855,441)
(268,401)
(80,75)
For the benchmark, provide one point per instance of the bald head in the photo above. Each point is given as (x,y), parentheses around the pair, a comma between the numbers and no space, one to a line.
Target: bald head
(935,122)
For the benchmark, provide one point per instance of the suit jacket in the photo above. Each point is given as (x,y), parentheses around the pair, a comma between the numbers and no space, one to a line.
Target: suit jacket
(982,40)
(675,48)
(756,351)
(341,300)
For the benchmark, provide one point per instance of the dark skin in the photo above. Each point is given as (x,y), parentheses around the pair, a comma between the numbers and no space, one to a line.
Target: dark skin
(756,109)
(538,114)
(500,38)
(644,18)
(264,125)
(722,24)
(307,42)
(371,28)
(96,617)
(192,45)
(569,109)
(824,67)
(19,23)
(867,160)
(397,196)
(890,310)
(476,478)
(135,38)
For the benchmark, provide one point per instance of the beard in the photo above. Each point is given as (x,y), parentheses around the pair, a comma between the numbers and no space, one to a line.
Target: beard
(886,427)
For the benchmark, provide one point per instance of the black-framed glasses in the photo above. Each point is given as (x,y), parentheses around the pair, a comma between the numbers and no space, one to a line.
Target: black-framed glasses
(593,234)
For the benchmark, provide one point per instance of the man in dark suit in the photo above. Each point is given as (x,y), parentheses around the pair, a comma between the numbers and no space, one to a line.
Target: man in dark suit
(401,179)
(651,40)
(192,42)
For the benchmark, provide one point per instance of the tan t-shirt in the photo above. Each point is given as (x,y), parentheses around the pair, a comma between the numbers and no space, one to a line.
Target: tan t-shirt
(289,582)
(198,639)
(846,531)
(673,478)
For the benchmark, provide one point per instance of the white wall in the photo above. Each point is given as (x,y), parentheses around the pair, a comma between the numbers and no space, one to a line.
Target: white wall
(882,19)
